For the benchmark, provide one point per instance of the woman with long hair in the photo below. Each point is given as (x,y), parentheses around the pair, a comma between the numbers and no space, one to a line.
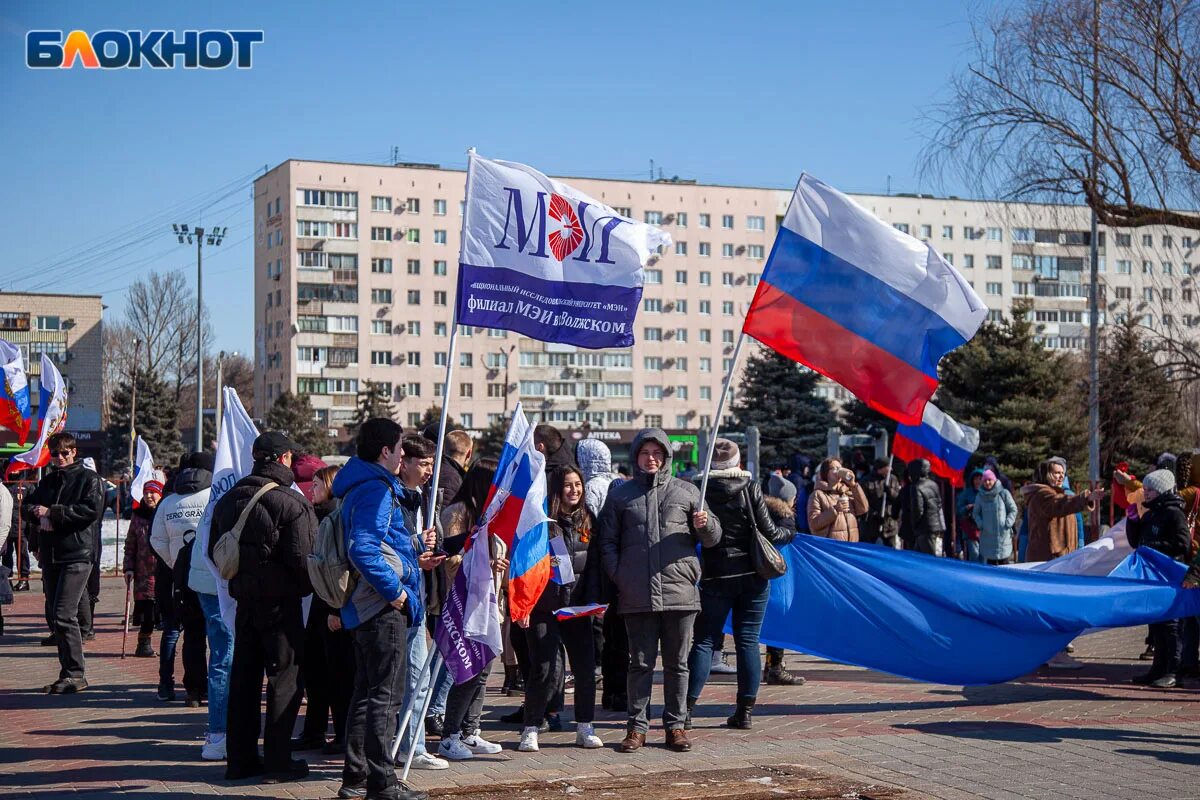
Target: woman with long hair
(572,523)
(461,737)
(836,503)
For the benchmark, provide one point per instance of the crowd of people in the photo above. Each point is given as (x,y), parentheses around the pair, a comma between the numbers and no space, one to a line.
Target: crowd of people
(672,565)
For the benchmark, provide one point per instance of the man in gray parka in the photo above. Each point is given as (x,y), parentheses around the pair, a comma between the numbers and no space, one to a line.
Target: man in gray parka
(648,531)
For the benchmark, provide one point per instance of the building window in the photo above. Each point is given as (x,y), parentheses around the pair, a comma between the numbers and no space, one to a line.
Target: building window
(727,308)
(681,219)
(706,335)
(381,234)
(466,360)
(381,295)
(705,366)
(726,251)
(440,329)
(414,266)
(381,326)
(439,208)
(968,262)
(755,251)
(994,262)
(681,306)
(705,307)
(654,276)
(727,221)
(681,276)
(652,363)
(1168,268)
(727,336)
(381,266)
(381,358)
(439,236)
(623,211)
(650,392)
(681,248)
(927,232)
(705,249)
(1147,267)
(1124,266)
(381,203)
(705,221)
(995,288)
(995,235)
(947,231)
(681,334)
(901,226)
(414,297)
(653,217)
(412,205)
(652,304)
(755,223)
(466,390)
(439,298)
(727,279)
(439,267)
(681,392)
(705,278)
(1124,240)
(414,235)
(653,334)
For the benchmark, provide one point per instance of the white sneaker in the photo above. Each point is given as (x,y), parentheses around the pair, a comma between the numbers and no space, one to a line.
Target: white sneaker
(1063,661)
(529,742)
(427,761)
(453,748)
(722,667)
(480,746)
(214,747)
(585,736)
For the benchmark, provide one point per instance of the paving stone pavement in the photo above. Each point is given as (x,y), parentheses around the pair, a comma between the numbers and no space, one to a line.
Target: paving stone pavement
(1085,734)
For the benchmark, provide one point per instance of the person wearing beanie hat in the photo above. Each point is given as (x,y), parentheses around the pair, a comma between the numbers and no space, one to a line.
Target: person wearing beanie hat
(781,488)
(994,514)
(141,565)
(729,583)
(1164,527)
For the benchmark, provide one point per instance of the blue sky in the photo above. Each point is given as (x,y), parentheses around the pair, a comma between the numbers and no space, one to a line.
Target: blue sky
(98,162)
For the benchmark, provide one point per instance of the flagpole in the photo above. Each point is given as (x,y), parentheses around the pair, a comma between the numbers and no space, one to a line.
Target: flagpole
(432,662)
(716,420)
(453,354)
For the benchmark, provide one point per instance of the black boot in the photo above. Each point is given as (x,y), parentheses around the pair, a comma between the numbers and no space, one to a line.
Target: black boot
(144,648)
(687,721)
(510,675)
(776,673)
(741,717)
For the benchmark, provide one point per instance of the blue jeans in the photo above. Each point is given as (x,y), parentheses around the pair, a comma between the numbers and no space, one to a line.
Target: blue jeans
(220,658)
(416,686)
(441,691)
(973,551)
(746,596)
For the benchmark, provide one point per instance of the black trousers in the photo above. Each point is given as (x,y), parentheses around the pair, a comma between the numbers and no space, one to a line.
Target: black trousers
(315,674)
(269,640)
(66,597)
(1165,636)
(380,652)
(10,547)
(195,645)
(84,610)
(614,660)
(544,636)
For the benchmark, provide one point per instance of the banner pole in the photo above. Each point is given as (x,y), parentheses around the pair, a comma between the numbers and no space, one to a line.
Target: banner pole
(431,520)
(716,420)
(412,750)
(406,713)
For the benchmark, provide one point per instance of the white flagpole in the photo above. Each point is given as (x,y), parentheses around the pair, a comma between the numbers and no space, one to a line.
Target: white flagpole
(453,355)
(716,420)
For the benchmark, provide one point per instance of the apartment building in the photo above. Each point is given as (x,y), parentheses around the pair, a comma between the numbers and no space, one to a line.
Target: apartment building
(66,328)
(355,275)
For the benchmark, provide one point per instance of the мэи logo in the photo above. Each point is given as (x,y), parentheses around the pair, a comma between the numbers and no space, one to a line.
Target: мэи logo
(136,49)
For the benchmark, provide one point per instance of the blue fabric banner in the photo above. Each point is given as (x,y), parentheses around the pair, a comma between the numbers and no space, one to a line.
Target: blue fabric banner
(953,622)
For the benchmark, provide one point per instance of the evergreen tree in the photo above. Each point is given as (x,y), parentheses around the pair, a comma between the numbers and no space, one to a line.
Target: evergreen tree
(491,442)
(857,417)
(293,414)
(373,401)
(433,416)
(778,396)
(157,422)
(1021,396)
(1141,414)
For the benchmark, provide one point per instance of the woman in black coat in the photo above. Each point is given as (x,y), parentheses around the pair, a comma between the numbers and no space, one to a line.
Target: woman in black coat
(728,581)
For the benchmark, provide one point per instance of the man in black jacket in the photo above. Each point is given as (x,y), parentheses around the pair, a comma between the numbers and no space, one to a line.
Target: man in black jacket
(269,626)
(921,504)
(1164,527)
(64,514)
(882,523)
(550,442)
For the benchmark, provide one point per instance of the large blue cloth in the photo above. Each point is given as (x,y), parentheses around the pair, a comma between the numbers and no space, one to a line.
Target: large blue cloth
(946,621)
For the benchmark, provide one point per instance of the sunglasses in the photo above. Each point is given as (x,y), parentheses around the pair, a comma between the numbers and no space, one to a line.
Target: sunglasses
(60,453)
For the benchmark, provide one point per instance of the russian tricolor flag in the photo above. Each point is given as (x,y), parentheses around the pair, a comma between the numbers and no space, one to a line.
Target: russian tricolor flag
(579,612)
(15,411)
(52,418)
(516,512)
(860,302)
(946,444)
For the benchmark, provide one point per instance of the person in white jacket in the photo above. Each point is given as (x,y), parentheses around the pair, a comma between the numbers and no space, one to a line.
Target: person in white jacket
(186,507)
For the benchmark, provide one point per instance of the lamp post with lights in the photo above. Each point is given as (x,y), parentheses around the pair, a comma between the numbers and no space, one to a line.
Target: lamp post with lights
(215,236)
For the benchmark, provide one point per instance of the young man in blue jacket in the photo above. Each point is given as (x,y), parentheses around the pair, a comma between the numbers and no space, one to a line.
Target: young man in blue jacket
(386,601)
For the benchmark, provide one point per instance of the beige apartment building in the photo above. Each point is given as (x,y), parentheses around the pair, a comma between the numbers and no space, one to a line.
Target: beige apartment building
(65,327)
(355,275)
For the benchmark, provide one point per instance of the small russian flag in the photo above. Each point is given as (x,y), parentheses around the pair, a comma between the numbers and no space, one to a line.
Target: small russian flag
(577,612)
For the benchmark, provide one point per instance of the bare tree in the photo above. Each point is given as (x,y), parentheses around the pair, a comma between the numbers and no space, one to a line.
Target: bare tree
(160,310)
(1021,115)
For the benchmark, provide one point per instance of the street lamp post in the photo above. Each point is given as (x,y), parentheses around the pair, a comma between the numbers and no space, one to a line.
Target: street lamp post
(221,356)
(507,358)
(215,236)
(137,348)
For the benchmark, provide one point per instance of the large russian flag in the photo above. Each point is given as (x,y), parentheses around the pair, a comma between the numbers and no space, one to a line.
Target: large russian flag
(946,444)
(15,411)
(860,302)
(516,512)
(52,418)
